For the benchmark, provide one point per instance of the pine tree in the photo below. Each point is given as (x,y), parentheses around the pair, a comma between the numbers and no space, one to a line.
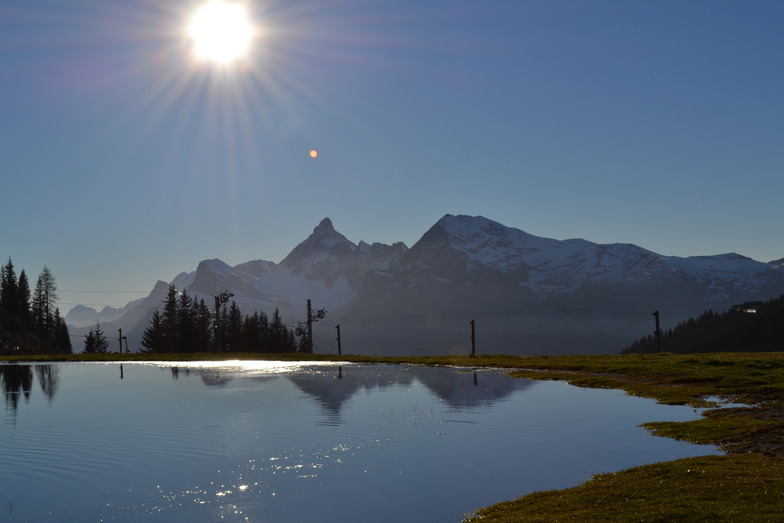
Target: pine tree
(202,327)
(185,324)
(101,343)
(44,298)
(279,340)
(24,296)
(61,339)
(170,340)
(153,336)
(9,289)
(89,342)
(95,341)
(233,331)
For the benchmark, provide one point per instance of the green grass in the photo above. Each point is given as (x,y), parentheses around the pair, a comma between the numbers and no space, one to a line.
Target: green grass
(710,489)
(745,485)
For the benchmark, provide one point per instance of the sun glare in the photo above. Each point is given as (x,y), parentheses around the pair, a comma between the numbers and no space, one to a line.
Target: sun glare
(221,32)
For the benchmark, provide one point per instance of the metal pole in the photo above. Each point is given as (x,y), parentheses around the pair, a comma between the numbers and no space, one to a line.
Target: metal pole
(217,325)
(310,329)
(338,328)
(473,339)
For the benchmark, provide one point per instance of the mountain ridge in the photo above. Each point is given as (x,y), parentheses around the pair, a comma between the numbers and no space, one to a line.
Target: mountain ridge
(534,294)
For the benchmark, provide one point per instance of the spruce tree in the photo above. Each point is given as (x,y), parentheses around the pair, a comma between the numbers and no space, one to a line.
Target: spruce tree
(44,298)
(185,327)
(23,297)
(101,343)
(61,339)
(9,289)
(201,326)
(171,334)
(278,334)
(153,336)
(95,341)
(233,332)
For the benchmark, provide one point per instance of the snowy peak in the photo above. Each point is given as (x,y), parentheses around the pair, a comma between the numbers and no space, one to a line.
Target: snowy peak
(325,236)
(548,266)
(324,240)
(329,257)
(482,242)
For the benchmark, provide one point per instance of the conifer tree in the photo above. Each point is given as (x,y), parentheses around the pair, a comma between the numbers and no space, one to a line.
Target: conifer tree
(278,335)
(185,324)
(233,331)
(249,334)
(24,296)
(202,326)
(44,298)
(95,341)
(9,289)
(61,339)
(170,330)
(153,336)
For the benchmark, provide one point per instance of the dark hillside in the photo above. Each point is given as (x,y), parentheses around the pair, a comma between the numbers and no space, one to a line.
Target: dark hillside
(749,327)
(18,336)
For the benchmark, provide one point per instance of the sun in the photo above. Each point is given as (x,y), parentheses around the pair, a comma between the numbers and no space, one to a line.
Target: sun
(221,32)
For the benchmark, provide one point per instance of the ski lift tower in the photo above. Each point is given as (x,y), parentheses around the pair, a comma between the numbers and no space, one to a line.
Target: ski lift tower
(307,331)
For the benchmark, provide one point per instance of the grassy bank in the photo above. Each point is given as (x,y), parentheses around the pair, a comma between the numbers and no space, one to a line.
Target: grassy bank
(745,485)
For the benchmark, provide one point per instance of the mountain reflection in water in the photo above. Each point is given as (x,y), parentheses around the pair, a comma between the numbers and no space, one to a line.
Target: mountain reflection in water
(294,441)
(332,388)
(458,389)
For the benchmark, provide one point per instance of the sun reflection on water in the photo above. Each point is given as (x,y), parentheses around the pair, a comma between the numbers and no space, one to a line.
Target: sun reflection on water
(249,367)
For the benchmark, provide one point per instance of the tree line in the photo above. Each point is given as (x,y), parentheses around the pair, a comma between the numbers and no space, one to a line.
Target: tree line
(186,324)
(30,322)
(735,330)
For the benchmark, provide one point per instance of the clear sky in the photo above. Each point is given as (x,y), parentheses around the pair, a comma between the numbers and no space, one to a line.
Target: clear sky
(126,160)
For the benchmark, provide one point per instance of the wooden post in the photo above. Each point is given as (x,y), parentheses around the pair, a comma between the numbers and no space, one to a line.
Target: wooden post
(338,328)
(657,332)
(119,338)
(473,339)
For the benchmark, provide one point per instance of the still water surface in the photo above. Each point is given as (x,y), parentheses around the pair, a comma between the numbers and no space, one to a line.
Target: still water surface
(273,442)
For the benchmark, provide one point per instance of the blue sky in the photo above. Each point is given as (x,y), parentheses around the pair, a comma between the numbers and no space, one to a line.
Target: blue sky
(125,161)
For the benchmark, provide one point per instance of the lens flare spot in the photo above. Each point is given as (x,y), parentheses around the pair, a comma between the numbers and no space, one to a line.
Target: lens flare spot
(313,153)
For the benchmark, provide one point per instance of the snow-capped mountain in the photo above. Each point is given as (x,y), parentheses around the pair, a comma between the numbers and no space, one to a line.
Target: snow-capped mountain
(547,266)
(527,294)
(536,295)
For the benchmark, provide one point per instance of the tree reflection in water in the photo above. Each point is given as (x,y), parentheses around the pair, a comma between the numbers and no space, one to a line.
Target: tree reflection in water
(18,382)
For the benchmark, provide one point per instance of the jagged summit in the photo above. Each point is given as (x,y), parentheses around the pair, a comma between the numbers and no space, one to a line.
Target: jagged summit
(324,242)
(324,225)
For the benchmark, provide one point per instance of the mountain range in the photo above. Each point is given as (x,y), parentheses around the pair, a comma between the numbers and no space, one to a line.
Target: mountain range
(526,294)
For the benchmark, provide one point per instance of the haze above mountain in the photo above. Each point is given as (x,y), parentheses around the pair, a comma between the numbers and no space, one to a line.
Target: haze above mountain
(527,294)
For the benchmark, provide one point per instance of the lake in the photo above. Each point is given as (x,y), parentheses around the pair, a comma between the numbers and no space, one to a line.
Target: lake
(282,441)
